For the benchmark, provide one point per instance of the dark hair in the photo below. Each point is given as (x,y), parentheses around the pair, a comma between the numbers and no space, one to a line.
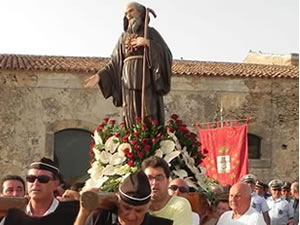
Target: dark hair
(12,177)
(77,186)
(155,162)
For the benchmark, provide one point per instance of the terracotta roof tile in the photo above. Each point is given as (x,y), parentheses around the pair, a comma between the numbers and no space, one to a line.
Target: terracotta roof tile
(180,67)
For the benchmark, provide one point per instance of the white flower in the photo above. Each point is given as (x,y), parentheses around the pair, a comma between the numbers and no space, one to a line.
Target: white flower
(159,153)
(180,173)
(96,170)
(97,138)
(116,159)
(190,182)
(112,144)
(109,170)
(101,181)
(104,157)
(169,157)
(167,146)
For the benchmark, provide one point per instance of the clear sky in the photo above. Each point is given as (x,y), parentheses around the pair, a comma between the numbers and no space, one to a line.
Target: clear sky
(204,30)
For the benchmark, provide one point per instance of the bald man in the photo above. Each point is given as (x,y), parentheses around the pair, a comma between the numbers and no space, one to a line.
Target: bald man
(242,213)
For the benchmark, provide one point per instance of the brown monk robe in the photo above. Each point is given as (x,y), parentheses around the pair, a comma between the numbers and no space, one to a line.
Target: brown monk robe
(122,76)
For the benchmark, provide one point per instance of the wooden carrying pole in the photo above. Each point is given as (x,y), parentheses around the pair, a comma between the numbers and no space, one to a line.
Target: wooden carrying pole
(7,203)
(143,105)
(93,200)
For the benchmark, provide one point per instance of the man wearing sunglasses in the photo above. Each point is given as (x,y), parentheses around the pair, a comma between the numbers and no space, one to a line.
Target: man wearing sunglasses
(162,204)
(43,208)
(281,212)
(180,188)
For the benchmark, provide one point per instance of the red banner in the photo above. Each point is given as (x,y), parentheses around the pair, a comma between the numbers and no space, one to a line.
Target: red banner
(227,158)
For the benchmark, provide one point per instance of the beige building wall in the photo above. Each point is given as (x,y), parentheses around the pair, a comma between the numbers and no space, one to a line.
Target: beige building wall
(34,105)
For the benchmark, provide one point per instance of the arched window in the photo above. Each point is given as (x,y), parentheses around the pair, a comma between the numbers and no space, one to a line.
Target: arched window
(71,153)
(254,146)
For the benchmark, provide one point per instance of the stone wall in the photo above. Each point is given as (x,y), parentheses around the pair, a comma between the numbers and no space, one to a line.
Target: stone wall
(34,105)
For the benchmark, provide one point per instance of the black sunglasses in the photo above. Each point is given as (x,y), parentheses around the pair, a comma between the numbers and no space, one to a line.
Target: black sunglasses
(180,188)
(42,179)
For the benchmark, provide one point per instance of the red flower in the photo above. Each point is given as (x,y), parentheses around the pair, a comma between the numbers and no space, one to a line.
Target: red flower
(133,142)
(193,135)
(125,139)
(138,119)
(159,135)
(170,129)
(92,146)
(144,127)
(105,119)
(174,116)
(126,150)
(154,140)
(130,163)
(179,122)
(99,128)
(117,134)
(112,122)
(141,154)
(91,154)
(145,141)
(122,124)
(147,147)
(154,122)
(137,148)
(129,155)
(170,122)
(136,134)
(183,129)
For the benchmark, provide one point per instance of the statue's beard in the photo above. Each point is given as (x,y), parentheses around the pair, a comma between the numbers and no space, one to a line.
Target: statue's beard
(134,25)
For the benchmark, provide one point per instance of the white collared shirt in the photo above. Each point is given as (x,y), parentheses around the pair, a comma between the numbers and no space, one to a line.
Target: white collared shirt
(259,203)
(281,211)
(51,209)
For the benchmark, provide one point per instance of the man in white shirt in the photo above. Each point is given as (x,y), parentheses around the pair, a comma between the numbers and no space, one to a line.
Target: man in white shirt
(281,212)
(242,213)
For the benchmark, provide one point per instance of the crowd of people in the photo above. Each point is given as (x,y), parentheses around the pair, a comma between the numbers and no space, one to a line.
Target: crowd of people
(147,196)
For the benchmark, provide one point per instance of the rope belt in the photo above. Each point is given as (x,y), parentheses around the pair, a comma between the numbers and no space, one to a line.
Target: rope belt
(133,57)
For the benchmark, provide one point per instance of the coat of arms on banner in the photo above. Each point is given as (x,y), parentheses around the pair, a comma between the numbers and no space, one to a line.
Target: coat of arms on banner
(223,164)
(223,161)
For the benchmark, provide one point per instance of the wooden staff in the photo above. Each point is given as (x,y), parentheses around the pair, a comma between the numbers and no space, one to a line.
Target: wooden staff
(144,63)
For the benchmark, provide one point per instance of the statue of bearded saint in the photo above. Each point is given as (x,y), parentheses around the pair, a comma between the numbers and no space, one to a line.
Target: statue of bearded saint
(122,77)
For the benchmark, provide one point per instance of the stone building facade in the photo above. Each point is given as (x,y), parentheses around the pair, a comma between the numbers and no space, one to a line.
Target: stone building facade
(42,95)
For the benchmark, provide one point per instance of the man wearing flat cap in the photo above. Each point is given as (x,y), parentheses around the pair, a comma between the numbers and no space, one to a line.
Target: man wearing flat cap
(133,201)
(43,208)
(281,212)
(285,191)
(257,202)
(261,189)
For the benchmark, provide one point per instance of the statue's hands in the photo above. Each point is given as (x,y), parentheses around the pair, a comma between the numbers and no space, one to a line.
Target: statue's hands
(140,41)
(92,81)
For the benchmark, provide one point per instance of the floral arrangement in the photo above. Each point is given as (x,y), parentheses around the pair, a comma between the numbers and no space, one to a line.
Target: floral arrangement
(117,152)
